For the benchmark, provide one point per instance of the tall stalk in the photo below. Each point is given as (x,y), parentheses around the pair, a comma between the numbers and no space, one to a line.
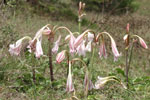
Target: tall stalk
(127,56)
(127,67)
(50,58)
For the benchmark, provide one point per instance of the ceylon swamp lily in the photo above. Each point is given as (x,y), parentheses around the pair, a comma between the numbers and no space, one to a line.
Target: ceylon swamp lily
(89,44)
(35,44)
(15,49)
(60,56)
(102,50)
(71,44)
(75,44)
(113,46)
(90,36)
(38,51)
(69,86)
(81,50)
(56,45)
(142,42)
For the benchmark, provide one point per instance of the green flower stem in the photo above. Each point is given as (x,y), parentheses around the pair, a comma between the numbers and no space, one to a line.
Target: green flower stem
(79,24)
(128,61)
(127,67)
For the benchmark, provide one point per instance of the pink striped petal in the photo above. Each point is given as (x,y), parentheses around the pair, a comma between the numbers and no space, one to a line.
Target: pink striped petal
(142,42)
(102,51)
(60,56)
(78,40)
(71,44)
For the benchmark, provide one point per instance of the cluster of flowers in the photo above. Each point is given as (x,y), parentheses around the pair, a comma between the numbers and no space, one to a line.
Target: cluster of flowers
(77,45)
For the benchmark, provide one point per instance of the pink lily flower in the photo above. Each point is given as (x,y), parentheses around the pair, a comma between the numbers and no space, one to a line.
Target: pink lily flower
(102,51)
(142,42)
(113,46)
(89,82)
(90,36)
(88,46)
(60,56)
(35,44)
(15,49)
(69,86)
(38,51)
(81,50)
(114,50)
(71,44)
(56,45)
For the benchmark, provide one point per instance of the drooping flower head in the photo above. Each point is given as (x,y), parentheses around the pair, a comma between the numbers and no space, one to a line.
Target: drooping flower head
(78,40)
(89,46)
(56,45)
(81,50)
(15,49)
(113,45)
(38,50)
(35,44)
(142,42)
(69,86)
(90,36)
(60,56)
(102,50)
(71,44)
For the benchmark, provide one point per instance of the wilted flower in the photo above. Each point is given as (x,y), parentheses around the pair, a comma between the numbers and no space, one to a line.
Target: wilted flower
(15,49)
(88,82)
(60,56)
(102,50)
(70,86)
(56,45)
(102,81)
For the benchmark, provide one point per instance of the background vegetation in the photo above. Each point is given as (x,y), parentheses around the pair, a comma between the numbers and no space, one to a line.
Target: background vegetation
(24,17)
